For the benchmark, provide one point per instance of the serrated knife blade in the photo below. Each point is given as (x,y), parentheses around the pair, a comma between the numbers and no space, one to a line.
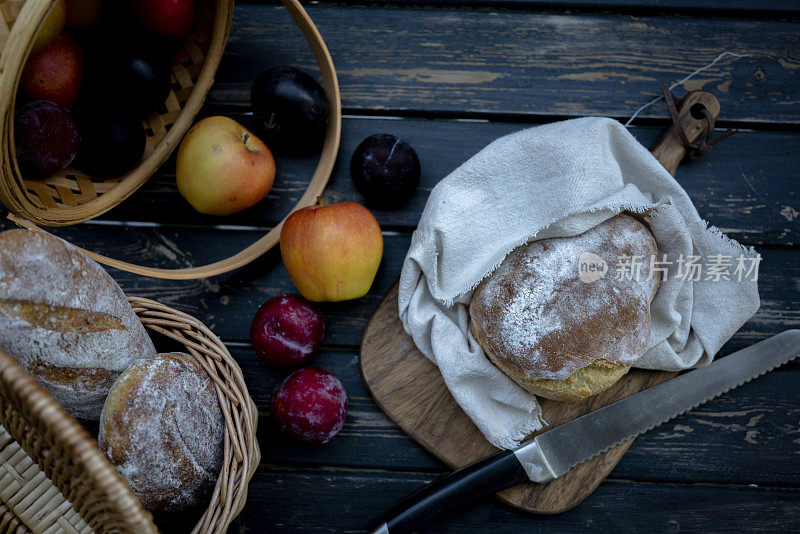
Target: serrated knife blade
(625,419)
(551,454)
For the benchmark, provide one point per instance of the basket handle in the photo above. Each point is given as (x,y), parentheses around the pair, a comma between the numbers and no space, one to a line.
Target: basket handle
(318,182)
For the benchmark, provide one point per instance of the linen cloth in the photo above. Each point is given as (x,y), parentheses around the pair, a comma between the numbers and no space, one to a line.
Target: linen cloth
(558,180)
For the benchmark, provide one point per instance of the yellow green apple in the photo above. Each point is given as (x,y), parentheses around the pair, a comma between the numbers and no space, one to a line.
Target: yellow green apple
(332,252)
(51,27)
(222,168)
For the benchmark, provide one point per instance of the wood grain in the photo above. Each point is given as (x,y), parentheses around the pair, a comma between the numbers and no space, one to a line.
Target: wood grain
(301,500)
(492,62)
(754,199)
(728,7)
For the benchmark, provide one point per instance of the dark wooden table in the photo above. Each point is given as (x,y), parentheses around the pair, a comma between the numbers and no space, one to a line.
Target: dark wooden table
(449,76)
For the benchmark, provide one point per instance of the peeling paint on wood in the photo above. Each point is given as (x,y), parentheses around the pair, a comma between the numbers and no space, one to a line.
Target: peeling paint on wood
(428,75)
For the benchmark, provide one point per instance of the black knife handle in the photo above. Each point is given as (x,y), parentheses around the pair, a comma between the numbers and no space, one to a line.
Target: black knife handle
(483,477)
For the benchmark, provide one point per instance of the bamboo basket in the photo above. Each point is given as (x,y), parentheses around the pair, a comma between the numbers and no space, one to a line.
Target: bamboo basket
(56,479)
(72,197)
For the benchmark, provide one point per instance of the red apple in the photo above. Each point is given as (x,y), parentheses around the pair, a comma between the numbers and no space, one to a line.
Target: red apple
(332,252)
(310,404)
(55,73)
(168,18)
(222,168)
(287,330)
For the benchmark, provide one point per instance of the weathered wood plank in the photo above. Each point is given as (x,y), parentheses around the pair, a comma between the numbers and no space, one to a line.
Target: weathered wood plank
(728,7)
(494,62)
(722,441)
(325,500)
(369,439)
(748,185)
(227,302)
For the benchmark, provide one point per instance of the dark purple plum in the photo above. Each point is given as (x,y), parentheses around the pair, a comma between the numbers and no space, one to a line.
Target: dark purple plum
(46,138)
(292,110)
(385,170)
(143,80)
(110,145)
(140,76)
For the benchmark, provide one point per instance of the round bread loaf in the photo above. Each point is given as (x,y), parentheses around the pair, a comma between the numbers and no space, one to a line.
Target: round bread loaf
(558,336)
(163,429)
(65,320)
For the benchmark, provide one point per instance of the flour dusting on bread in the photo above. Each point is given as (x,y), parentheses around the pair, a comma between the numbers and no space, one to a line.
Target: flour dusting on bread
(163,429)
(537,316)
(60,312)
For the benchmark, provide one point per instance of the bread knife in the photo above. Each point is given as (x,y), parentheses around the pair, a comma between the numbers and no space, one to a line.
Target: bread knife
(551,454)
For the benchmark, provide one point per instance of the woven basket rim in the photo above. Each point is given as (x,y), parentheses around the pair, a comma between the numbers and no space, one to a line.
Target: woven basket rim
(315,188)
(242,453)
(38,405)
(241,450)
(11,64)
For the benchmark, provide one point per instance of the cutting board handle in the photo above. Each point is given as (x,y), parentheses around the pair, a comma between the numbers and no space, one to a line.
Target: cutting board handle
(669,150)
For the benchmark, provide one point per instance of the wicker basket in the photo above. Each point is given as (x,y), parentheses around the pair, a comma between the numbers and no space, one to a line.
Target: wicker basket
(71,197)
(54,477)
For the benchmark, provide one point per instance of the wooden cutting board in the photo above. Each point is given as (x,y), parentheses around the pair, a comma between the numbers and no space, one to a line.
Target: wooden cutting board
(410,389)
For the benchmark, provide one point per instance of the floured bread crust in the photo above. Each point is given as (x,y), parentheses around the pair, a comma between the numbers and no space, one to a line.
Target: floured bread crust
(556,335)
(163,429)
(65,320)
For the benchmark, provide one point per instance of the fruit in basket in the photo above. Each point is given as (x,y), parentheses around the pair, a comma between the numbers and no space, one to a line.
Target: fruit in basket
(332,252)
(310,404)
(126,77)
(168,18)
(55,73)
(46,138)
(286,330)
(110,145)
(222,168)
(51,27)
(84,13)
(292,108)
(385,170)
(141,79)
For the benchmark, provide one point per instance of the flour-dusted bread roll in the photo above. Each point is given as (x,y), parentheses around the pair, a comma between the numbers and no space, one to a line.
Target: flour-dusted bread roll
(163,429)
(558,336)
(65,320)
